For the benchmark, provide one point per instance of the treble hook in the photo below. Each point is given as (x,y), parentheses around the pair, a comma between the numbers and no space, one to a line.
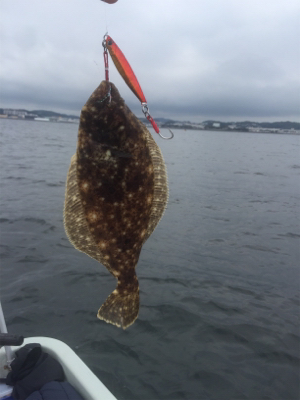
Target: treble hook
(165,137)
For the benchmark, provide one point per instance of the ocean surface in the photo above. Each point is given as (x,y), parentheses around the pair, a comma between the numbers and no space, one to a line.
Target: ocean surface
(219,277)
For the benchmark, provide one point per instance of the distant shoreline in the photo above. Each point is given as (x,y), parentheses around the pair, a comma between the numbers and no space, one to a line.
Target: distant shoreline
(184,127)
(41,119)
(256,130)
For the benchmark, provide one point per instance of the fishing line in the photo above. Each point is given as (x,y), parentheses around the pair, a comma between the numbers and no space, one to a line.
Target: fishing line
(105,17)
(105,14)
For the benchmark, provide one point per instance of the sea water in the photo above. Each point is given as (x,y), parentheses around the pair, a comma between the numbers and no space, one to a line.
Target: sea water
(219,277)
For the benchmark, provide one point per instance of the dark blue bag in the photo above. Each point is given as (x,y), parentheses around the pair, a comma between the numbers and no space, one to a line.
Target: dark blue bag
(55,391)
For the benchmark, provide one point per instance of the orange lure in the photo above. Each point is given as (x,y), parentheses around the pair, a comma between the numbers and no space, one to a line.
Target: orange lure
(124,68)
(129,77)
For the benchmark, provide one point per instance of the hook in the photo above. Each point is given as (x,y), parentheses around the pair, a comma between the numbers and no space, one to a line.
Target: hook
(145,110)
(165,137)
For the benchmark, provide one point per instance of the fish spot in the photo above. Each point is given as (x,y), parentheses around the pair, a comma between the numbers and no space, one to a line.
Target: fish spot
(102,245)
(85,186)
(93,216)
(143,233)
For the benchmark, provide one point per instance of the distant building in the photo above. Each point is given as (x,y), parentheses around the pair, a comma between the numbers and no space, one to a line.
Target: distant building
(10,112)
(216,124)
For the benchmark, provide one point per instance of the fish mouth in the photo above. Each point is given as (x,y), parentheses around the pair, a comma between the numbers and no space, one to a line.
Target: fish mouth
(105,85)
(107,91)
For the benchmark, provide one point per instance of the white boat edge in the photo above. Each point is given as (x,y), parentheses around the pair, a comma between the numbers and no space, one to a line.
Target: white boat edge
(76,371)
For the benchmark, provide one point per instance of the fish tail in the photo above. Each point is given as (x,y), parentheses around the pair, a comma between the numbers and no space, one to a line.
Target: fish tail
(121,308)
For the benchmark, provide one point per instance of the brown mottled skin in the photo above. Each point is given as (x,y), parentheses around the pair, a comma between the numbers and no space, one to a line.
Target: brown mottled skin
(116,193)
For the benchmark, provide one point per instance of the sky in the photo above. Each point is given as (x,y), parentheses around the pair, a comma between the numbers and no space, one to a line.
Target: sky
(228,60)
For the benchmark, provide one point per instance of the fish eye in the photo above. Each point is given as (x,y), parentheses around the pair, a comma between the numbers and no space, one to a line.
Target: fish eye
(110,42)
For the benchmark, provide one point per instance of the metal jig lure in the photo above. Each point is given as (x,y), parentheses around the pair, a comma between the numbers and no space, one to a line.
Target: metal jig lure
(129,77)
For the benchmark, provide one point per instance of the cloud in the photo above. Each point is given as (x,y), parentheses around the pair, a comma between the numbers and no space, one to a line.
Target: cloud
(209,58)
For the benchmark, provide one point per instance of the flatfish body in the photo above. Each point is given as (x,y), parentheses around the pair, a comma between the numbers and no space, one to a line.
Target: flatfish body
(116,193)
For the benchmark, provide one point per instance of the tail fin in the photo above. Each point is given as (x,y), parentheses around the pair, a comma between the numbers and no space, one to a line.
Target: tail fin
(121,308)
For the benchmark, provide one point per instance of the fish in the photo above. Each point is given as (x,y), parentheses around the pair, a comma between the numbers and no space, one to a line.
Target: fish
(116,193)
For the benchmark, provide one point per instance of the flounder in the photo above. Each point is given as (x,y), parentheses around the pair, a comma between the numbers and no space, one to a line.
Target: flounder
(116,193)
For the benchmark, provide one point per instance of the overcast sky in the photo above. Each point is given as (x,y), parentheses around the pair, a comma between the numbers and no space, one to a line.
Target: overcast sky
(195,59)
